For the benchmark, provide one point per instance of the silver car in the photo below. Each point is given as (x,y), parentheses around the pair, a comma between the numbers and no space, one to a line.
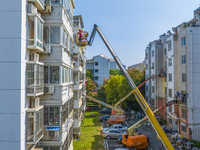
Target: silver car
(117,126)
(112,133)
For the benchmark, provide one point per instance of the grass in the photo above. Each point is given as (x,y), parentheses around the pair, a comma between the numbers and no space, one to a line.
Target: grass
(196,143)
(91,138)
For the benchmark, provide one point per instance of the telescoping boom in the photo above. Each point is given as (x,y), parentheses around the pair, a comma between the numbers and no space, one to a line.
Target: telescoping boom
(136,92)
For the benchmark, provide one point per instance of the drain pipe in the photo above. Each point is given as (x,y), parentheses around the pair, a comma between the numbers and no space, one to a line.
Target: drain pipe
(192,104)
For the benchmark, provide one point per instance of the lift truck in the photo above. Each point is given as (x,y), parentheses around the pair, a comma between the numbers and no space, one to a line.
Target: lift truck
(160,133)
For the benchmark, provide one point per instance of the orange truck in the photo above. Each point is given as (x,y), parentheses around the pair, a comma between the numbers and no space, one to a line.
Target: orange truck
(115,119)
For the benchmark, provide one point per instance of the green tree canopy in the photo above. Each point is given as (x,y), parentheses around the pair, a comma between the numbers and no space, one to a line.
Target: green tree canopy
(115,72)
(90,87)
(89,74)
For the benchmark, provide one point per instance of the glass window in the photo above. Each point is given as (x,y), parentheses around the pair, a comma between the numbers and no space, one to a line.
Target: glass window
(165,52)
(30,34)
(152,77)
(46,73)
(96,63)
(183,114)
(170,62)
(66,74)
(152,53)
(170,77)
(46,35)
(183,128)
(70,46)
(39,33)
(66,40)
(146,55)
(96,77)
(146,67)
(63,74)
(183,77)
(55,35)
(169,46)
(56,1)
(170,92)
(183,59)
(183,41)
(152,89)
(54,74)
(152,65)
(51,116)
(96,70)
(75,76)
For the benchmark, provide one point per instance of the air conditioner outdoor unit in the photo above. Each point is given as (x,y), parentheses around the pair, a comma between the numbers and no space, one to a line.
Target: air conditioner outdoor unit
(34,57)
(47,49)
(54,134)
(49,89)
(31,9)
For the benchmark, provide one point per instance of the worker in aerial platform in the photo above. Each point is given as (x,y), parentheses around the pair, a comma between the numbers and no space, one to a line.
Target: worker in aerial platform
(80,33)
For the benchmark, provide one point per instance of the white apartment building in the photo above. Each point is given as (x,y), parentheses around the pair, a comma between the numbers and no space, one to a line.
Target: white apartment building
(79,73)
(36,45)
(180,58)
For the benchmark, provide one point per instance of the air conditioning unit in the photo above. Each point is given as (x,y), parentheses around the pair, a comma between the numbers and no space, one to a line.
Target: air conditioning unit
(47,49)
(31,9)
(48,89)
(34,57)
(47,4)
(53,134)
(75,64)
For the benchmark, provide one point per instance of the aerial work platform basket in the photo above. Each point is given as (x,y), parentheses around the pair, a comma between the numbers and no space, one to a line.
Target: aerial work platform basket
(81,38)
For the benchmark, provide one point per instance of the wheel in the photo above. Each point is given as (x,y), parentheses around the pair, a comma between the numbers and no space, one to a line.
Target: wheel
(108,137)
(133,148)
(107,124)
(123,145)
(149,147)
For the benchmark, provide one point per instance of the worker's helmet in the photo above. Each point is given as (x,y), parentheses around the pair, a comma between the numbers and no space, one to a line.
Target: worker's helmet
(82,30)
(79,28)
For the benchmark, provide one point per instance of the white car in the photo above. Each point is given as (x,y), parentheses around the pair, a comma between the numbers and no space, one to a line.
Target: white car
(117,127)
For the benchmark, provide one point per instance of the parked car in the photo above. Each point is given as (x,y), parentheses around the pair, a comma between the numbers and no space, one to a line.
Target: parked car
(112,133)
(104,118)
(106,110)
(117,126)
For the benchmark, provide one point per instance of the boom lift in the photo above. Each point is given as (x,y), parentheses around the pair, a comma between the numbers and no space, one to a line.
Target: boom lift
(138,95)
(119,118)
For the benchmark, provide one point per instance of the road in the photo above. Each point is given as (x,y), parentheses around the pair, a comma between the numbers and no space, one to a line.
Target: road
(147,130)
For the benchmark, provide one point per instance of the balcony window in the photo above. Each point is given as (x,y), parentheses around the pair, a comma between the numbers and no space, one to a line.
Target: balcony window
(75,95)
(64,112)
(170,92)
(51,116)
(183,41)
(75,76)
(76,23)
(169,46)
(66,40)
(183,59)
(55,35)
(56,2)
(54,74)
(34,125)
(183,114)
(170,62)
(35,79)
(170,77)
(35,33)
(183,77)
(152,65)
(165,51)
(183,128)
(70,75)
(152,53)
(66,75)
(70,46)
(46,35)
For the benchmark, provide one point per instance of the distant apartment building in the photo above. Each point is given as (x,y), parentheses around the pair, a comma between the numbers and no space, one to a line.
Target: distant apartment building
(139,66)
(178,55)
(37,63)
(79,78)
(100,66)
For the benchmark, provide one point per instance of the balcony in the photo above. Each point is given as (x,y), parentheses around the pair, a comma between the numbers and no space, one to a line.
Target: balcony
(77,103)
(34,124)
(35,32)
(35,78)
(77,118)
(38,3)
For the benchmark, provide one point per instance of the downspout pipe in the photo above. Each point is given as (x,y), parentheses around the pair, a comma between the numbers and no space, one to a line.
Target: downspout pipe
(192,102)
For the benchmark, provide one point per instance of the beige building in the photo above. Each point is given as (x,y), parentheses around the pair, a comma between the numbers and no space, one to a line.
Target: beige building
(178,55)
(139,66)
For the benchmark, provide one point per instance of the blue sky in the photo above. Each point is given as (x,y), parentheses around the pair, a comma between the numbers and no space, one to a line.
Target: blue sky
(129,25)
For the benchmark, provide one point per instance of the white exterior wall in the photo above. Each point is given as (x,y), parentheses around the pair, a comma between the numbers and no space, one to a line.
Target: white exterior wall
(13,68)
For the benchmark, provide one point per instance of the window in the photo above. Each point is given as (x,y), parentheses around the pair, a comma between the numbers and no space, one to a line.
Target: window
(96,63)
(96,78)
(96,70)
(51,116)
(147,88)
(170,77)
(152,89)
(170,92)
(169,46)
(183,59)
(165,114)
(170,62)
(165,64)
(75,76)
(146,55)
(165,51)
(183,41)
(152,53)
(54,74)
(55,35)
(64,112)
(183,128)
(170,121)
(166,91)
(153,77)
(56,1)
(152,65)
(146,66)
(170,109)
(183,77)
(183,114)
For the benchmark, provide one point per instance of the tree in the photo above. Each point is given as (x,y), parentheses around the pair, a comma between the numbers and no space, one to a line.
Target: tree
(89,74)
(115,72)
(101,95)
(90,87)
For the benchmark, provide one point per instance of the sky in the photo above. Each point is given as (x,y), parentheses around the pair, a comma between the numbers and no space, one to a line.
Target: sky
(129,25)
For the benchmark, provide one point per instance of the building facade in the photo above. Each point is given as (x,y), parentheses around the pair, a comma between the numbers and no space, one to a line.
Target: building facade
(37,102)
(100,66)
(79,78)
(178,56)
(139,66)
